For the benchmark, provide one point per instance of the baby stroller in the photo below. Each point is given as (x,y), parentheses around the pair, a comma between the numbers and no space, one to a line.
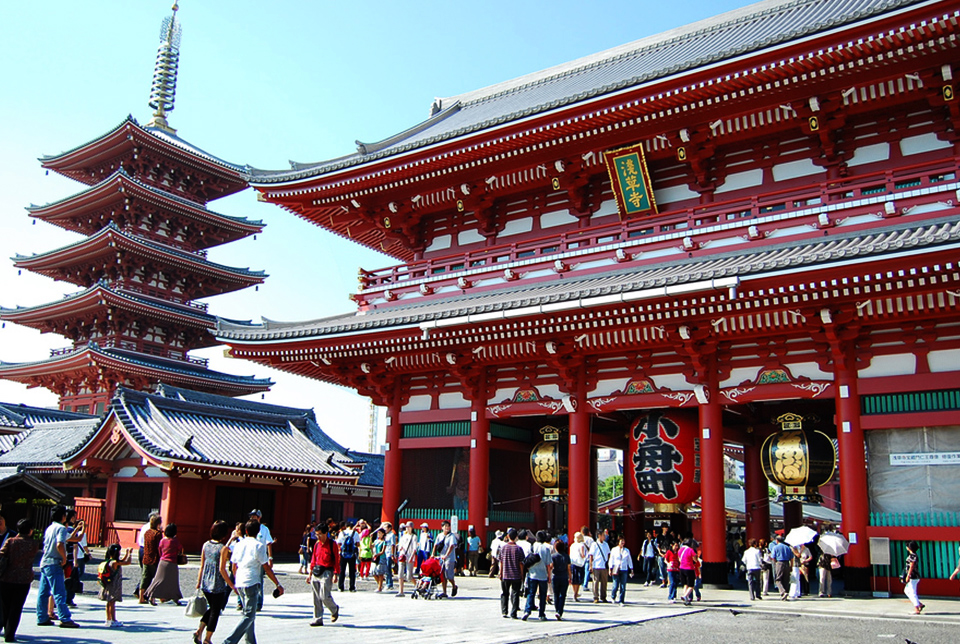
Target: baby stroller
(431,574)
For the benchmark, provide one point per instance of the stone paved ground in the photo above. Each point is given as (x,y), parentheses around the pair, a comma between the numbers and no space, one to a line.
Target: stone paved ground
(472,617)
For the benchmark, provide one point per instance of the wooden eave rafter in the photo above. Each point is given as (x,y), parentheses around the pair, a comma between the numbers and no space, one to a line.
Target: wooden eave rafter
(130,139)
(95,302)
(112,241)
(717,84)
(901,290)
(116,190)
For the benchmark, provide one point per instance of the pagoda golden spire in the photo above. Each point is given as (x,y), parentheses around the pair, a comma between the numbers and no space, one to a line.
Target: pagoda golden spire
(163,91)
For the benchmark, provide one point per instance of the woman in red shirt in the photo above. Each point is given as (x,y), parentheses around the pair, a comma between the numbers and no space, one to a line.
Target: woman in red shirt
(324,565)
(673,569)
(166,584)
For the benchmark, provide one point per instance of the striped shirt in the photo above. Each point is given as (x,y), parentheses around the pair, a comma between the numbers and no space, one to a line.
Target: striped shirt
(511,557)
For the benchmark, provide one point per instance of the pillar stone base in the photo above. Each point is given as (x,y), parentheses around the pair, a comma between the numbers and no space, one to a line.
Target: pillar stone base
(715,574)
(856,581)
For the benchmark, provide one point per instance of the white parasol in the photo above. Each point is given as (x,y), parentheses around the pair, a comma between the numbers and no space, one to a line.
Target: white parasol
(833,544)
(799,536)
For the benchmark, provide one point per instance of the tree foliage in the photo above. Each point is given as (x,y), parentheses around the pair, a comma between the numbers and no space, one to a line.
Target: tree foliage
(610,487)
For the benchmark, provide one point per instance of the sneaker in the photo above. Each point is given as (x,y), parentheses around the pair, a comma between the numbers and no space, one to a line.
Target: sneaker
(316,622)
(116,624)
(543,618)
(559,617)
(400,594)
(45,623)
(69,623)
(454,592)
(335,616)
(525,617)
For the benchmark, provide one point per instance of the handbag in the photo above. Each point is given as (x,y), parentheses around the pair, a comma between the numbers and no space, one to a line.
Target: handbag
(835,564)
(531,560)
(182,561)
(196,606)
(318,570)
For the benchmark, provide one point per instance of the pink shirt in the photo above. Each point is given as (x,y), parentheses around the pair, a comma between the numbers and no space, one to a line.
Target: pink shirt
(170,549)
(687,555)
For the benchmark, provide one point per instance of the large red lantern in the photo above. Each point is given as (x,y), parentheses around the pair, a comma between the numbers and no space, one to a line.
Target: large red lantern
(665,457)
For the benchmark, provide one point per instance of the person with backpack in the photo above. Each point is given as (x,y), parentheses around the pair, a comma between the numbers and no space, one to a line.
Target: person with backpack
(348,540)
(110,578)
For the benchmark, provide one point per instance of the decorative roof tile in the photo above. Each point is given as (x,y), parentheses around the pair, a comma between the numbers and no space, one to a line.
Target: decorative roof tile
(732,34)
(46,444)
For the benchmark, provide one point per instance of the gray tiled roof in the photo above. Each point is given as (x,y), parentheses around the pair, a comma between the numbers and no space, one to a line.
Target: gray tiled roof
(46,444)
(763,259)
(214,435)
(25,416)
(758,26)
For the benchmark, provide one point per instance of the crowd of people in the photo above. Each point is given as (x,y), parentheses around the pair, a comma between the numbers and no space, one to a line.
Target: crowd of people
(535,569)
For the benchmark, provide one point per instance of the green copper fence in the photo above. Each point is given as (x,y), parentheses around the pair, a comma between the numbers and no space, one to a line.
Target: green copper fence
(915,519)
(937,559)
(914,401)
(462,428)
(517,519)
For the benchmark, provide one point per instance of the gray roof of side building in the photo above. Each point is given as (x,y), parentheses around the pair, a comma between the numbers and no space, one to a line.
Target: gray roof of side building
(21,416)
(723,37)
(46,444)
(797,255)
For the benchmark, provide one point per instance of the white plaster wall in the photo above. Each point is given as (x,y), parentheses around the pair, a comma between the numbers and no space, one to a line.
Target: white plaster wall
(607,387)
(739,375)
(736,240)
(741,180)
(903,364)
(126,472)
(940,361)
(155,473)
(550,391)
(662,252)
(516,227)
(503,394)
(418,403)
(674,193)
(454,400)
(558,218)
(606,209)
(789,231)
(870,154)
(441,242)
(809,370)
(795,169)
(922,143)
(674,381)
(471,236)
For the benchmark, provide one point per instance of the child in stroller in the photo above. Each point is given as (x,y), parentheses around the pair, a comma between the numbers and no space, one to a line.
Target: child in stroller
(431,574)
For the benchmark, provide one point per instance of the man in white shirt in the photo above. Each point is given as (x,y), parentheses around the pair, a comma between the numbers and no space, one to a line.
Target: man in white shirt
(447,544)
(424,544)
(588,541)
(621,567)
(140,533)
(249,562)
(753,560)
(264,537)
(495,546)
(406,555)
(599,556)
(349,543)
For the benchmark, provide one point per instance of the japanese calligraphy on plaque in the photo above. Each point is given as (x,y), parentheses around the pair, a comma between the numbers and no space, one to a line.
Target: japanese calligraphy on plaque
(630,181)
(665,455)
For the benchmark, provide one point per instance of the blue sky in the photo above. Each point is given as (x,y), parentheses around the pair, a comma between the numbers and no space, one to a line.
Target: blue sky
(260,84)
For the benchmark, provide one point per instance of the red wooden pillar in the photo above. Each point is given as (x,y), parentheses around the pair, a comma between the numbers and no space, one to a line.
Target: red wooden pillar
(317,501)
(854,501)
(478,515)
(392,462)
(713,523)
(168,503)
(633,514)
(579,477)
(756,494)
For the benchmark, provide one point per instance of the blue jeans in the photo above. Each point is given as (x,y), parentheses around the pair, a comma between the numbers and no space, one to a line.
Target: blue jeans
(662,565)
(560,585)
(249,598)
(52,582)
(619,586)
(536,587)
(674,579)
(697,585)
(389,573)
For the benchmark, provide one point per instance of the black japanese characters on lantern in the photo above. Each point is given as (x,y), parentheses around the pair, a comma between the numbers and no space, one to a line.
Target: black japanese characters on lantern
(665,457)
(798,460)
(549,464)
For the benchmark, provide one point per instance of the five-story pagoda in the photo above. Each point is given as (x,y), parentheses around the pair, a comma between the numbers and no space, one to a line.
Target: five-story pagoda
(142,261)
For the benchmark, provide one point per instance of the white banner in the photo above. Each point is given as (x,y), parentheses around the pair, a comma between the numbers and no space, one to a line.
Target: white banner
(926,458)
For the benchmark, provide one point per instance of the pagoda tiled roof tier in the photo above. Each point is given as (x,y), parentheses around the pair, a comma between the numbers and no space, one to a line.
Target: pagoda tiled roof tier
(126,201)
(653,282)
(85,262)
(101,301)
(93,364)
(764,25)
(182,433)
(132,146)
